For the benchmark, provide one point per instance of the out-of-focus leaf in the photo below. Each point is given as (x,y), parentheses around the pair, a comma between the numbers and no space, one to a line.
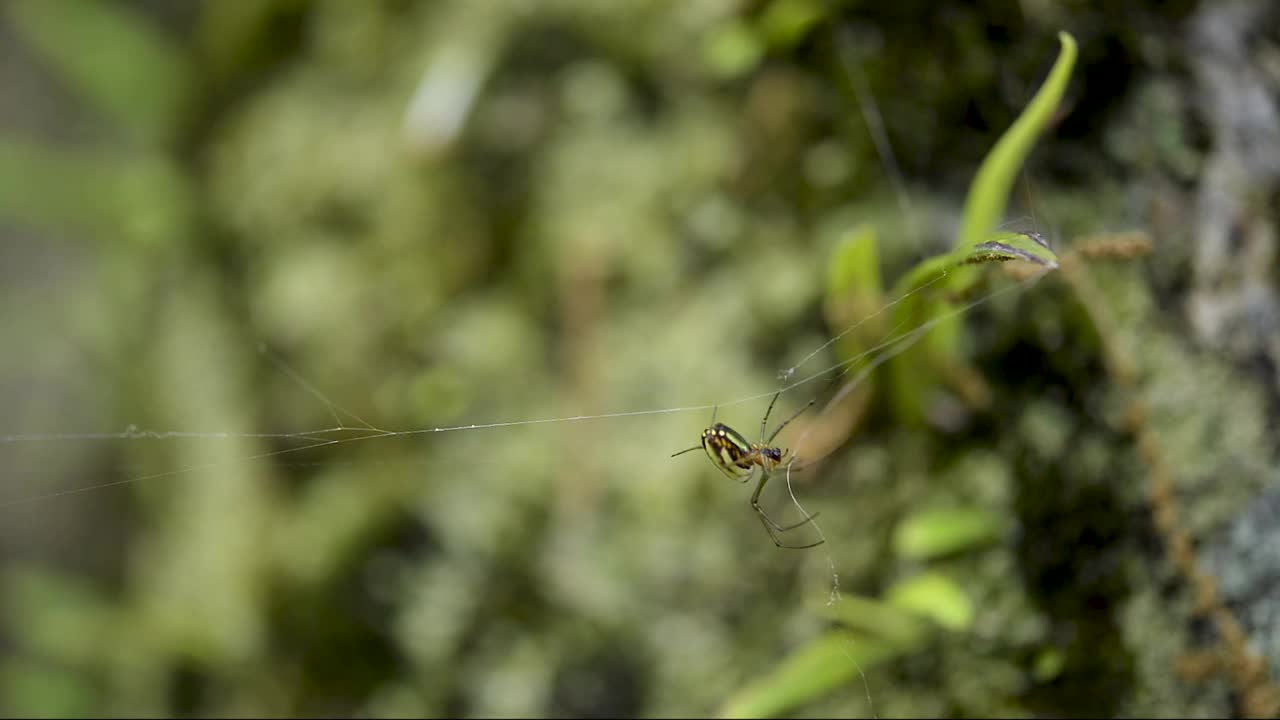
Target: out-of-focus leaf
(40,186)
(1048,664)
(899,627)
(106,195)
(937,271)
(915,371)
(116,60)
(855,264)
(785,22)
(935,596)
(853,305)
(33,689)
(55,616)
(733,49)
(854,292)
(810,672)
(934,533)
(989,194)
(1028,247)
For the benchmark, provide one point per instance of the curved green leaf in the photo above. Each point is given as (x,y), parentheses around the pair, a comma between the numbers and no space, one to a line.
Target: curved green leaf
(120,63)
(902,628)
(785,22)
(1029,247)
(910,373)
(989,194)
(935,596)
(935,533)
(854,291)
(114,196)
(811,672)
(733,49)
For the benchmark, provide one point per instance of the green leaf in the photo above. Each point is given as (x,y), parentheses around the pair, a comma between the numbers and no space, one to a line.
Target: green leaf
(989,194)
(812,671)
(111,56)
(913,373)
(935,596)
(877,632)
(1048,664)
(1028,247)
(55,616)
(935,533)
(876,618)
(936,271)
(855,264)
(785,22)
(32,689)
(109,195)
(733,49)
(854,291)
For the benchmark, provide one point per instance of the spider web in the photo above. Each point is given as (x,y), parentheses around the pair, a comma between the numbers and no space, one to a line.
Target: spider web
(344,432)
(349,430)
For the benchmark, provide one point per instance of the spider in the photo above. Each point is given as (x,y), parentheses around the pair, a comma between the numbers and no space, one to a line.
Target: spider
(737,458)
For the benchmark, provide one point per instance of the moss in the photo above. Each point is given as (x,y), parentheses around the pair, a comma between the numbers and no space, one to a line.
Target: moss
(611,226)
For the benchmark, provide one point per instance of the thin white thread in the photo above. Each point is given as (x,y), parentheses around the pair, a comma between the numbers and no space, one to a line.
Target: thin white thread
(786,374)
(376,433)
(315,392)
(908,340)
(870,110)
(132,433)
(866,685)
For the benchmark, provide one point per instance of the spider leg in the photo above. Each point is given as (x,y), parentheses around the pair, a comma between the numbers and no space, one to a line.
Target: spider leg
(793,467)
(774,537)
(764,422)
(787,421)
(773,527)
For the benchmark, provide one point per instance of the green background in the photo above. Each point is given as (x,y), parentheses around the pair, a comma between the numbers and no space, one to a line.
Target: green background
(253,220)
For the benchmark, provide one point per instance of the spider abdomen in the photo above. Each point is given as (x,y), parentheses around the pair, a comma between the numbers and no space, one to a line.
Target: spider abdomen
(728,450)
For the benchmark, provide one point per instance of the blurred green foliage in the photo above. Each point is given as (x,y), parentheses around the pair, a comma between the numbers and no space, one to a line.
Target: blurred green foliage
(854,271)
(932,533)
(289,226)
(912,374)
(138,79)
